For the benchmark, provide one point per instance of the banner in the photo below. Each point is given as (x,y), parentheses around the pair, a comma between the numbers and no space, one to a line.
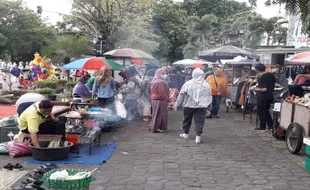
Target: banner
(295,37)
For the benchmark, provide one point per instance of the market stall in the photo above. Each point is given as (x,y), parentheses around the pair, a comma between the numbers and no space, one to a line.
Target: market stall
(237,71)
(295,112)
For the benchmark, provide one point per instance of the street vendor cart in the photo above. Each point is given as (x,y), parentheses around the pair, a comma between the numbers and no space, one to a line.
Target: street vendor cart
(295,112)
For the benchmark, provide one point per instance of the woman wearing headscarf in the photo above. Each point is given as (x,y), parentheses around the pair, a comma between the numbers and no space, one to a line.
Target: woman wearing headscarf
(131,92)
(219,87)
(146,94)
(160,99)
(81,90)
(105,88)
(195,96)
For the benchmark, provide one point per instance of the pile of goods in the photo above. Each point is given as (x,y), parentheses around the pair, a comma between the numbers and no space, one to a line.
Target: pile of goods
(298,100)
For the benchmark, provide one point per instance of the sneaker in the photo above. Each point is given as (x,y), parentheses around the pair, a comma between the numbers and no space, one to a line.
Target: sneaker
(146,119)
(198,140)
(18,167)
(9,166)
(184,136)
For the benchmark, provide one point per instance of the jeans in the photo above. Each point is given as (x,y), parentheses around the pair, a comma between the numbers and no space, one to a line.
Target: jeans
(199,115)
(263,106)
(216,102)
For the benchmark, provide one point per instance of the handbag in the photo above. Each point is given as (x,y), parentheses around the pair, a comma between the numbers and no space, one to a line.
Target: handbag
(222,93)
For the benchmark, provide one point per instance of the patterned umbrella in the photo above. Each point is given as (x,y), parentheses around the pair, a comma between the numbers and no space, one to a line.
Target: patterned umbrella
(92,64)
(128,53)
(299,59)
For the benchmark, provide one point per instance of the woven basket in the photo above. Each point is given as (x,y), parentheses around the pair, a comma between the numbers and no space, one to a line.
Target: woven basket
(81,184)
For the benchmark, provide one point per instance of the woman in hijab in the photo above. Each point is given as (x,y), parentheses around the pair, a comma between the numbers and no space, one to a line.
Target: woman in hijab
(195,96)
(160,99)
(131,92)
(81,90)
(146,94)
(105,88)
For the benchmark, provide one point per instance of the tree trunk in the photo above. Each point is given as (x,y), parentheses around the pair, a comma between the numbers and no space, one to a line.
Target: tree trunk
(268,39)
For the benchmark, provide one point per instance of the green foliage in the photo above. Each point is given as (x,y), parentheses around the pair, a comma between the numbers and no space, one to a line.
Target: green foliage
(47,84)
(169,23)
(22,32)
(294,7)
(201,32)
(44,91)
(63,46)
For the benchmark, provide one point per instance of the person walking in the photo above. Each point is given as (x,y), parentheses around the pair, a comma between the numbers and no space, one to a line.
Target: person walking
(219,87)
(105,88)
(195,96)
(145,98)
(264,89)
(131,92)
(160,99)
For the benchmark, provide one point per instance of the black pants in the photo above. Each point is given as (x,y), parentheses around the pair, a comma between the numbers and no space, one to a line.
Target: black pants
(51,127)
(263,106)
(107,103)
(199,115)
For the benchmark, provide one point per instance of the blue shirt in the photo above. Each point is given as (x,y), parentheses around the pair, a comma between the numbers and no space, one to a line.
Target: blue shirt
(107,91)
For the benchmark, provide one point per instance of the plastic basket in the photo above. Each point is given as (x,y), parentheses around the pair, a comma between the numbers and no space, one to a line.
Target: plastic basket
(80,184)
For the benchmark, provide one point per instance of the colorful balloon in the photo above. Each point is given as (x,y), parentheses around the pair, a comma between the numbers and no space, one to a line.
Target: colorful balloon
(44,71)
(34,74)
(38,68)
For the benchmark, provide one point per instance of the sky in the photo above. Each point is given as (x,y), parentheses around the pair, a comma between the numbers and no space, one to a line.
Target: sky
(64,6)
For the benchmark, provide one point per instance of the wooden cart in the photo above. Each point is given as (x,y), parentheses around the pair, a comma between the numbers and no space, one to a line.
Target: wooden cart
(295,120)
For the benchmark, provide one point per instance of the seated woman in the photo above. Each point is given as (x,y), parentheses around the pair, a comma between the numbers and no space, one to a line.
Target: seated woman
(81,90)
(39,119)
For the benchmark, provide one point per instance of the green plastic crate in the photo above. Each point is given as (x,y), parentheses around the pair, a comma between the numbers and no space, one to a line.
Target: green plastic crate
(308,150)
(307,163)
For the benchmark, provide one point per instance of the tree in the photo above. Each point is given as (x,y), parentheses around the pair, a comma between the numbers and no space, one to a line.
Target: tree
(201,34)
(136,37)
(102,18)
(168,23)
(294,7)
(22,32)
(62,47)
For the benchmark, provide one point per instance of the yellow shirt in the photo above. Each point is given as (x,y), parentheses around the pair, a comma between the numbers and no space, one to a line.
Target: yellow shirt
(31,119)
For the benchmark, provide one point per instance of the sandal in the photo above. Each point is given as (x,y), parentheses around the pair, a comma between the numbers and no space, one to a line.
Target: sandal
(18,167)
(9,166)
(160,131)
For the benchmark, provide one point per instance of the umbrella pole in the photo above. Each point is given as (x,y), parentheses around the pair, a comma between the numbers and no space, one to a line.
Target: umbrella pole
(124,61)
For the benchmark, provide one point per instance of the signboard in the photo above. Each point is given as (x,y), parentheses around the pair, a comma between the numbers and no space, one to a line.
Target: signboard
(295,37)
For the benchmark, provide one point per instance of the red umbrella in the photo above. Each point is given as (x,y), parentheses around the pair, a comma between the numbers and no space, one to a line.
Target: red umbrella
(87,64)
(199,64)
(300,58)
(137,61)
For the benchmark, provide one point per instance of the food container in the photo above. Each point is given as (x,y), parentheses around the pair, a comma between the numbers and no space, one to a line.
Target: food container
(50,154)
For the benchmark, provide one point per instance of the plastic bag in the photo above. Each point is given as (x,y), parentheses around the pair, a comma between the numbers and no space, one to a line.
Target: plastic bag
(3,149)
(18,149)
(59,175)
(120,109)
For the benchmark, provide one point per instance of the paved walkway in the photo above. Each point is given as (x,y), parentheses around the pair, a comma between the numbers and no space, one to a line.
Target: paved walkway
(232,156)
